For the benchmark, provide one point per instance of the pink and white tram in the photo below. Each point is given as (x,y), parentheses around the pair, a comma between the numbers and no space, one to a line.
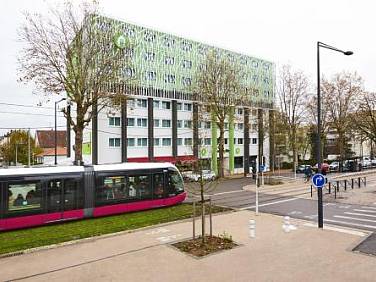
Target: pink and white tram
(39,196)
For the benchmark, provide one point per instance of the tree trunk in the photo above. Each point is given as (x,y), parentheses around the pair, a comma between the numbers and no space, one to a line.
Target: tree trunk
(202,209)
(78,139)
(221,150)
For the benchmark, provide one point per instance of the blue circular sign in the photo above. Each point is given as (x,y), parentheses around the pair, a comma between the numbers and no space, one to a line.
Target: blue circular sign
(318,180)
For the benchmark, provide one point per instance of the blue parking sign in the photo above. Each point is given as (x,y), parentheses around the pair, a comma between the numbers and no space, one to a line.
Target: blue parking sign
(318,180)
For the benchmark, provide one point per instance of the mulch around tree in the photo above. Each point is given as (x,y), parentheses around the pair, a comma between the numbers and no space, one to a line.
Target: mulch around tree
(212,245)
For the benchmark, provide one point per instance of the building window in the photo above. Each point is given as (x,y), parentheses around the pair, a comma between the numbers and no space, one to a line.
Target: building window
(156,123)
(187,107)
(131,142)
(187,81)
(156,104)
(24,196)
(254,141)
(180,123)
(129,72)
(169,42)
(188,141)
(179,106)
(266,80)
(156,141)
(166,141)
(254,64)
(240,126)
(186,64)
(166,123)
(187,124)
(169,60)
(207,141)
(114,121)
(130,121)
(186,46)
(238,162)
(131,103)
(170,78)
(149,56)
(149,37)
(151,75)
(142,103)
(166,105)
(226,141)
(114,142)
(240,112)
(179,141)
(226,125)
(142,142)
(142,122)
(240,141)
(207,124)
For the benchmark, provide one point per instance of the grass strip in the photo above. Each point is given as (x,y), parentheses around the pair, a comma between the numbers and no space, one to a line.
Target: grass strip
(18,240)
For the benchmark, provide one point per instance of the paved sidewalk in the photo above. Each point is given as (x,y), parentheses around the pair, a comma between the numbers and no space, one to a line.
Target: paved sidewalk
(306,254)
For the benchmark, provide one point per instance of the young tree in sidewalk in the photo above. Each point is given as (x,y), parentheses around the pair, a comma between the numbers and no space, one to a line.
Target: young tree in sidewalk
(218,85)
(292,93)
(341,96)
(77,53)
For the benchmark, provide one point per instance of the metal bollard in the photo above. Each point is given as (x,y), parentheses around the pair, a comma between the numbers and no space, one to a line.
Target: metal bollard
(352,183)
(252,228)
(358,182)
(330,187)
(286,224)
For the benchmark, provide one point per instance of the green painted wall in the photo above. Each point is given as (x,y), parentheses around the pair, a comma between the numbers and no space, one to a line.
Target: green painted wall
(231,135)
(214,134)
(168,62)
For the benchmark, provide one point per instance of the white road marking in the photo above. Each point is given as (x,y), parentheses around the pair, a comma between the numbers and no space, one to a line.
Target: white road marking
(364,211)
(158,231)
(354,218)
(347,231)
(311,216)
(294,212)
(344,207)
(350,223)
(361,214)
(368,208)
(329,204)
(269,204)
(168,238)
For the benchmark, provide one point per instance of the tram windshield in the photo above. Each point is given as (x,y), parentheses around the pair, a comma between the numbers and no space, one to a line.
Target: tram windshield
(175,182)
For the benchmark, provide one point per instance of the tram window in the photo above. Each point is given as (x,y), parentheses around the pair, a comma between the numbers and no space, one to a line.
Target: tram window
(175,183)
(158,190)
(111,188)
(72,195)
(24,196)
(139,186)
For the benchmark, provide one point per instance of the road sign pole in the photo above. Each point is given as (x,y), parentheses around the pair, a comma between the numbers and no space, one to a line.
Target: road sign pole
(320,208)
(257,184)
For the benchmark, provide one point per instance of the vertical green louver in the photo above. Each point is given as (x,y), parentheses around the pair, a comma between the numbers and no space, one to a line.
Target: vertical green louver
(214,163)
(231,140)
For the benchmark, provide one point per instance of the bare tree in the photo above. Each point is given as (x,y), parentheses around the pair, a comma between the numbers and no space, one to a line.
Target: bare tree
(75,52)
(218,85)
(292,92)
(365,116)
(340,96)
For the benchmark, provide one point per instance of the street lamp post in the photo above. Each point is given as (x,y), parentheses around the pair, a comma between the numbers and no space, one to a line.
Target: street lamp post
(318,139)
(57,102)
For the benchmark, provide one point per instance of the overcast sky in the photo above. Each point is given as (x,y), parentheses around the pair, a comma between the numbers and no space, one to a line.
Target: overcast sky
(284,32)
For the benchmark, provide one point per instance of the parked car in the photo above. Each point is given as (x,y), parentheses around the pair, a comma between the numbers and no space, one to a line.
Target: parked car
(324,167)
(206,175)
(373,162)
(302,168)
(334,166)
(366,162)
